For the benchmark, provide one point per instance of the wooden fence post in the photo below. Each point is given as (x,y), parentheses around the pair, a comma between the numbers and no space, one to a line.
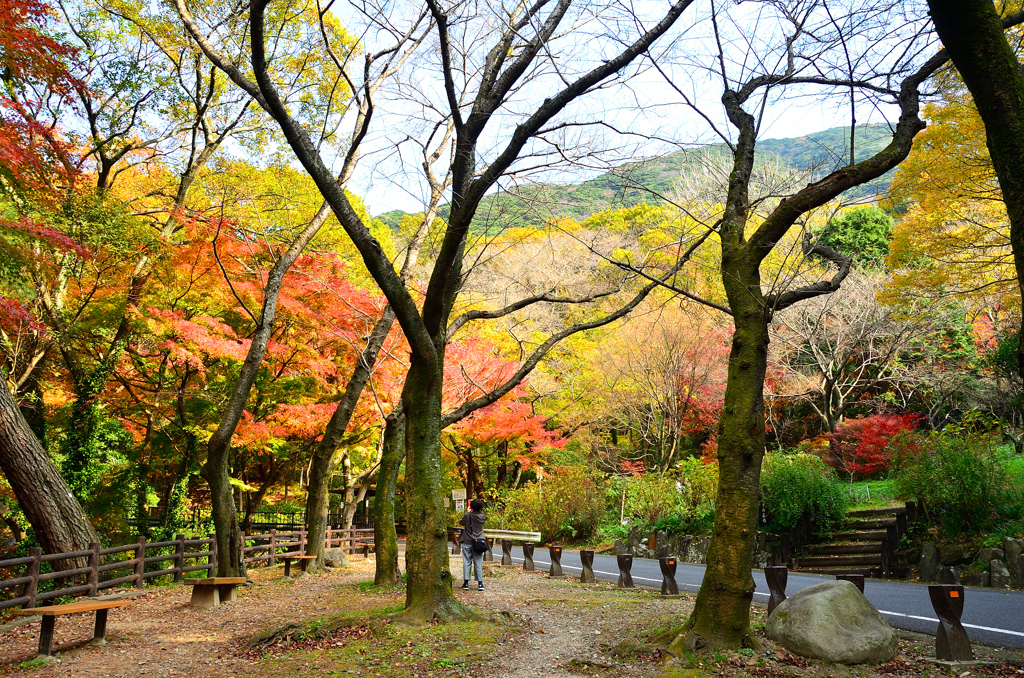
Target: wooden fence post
(273,547)
(179,557)
(327,544)
(140,564)
(241,547)
(33,571)
(302,539)
(352,540)
(211,562)
(94,573)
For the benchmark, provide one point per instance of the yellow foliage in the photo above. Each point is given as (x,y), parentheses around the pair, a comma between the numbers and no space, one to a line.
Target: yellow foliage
(954,236)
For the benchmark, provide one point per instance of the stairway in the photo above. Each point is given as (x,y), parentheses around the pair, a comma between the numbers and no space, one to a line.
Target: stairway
(867,545)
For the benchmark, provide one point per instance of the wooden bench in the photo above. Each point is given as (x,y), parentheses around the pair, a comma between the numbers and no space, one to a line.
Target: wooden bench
(303,562)
(51,613)
(211,592)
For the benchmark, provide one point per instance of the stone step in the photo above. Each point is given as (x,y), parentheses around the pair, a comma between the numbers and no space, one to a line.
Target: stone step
(843,549)
(864,513)
(867,535)
(870,524)
(864,560)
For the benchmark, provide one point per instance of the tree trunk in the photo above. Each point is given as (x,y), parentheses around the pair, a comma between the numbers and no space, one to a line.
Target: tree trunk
(973,36)
(53,512)
(428,593)
(321,467)
(385,539)
(721,615)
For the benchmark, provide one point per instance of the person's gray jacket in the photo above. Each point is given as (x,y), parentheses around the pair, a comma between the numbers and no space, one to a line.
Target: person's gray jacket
(474,524)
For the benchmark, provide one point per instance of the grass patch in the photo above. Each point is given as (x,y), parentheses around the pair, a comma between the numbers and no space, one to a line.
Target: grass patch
(367,644)
(866,494)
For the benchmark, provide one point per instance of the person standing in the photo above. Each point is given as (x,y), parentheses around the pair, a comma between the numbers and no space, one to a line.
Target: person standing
(474,544)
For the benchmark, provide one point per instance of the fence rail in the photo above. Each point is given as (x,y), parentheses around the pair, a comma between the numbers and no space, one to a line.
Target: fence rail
(85,573)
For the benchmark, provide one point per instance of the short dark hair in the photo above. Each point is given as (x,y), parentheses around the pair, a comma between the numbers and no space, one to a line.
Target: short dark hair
(477,504)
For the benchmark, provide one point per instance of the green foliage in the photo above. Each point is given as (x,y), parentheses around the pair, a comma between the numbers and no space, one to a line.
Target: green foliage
(965,482)
(792,484)
(681,502)
(568,504)
(862,234)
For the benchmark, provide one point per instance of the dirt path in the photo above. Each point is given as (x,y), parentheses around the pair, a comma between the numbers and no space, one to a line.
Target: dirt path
(531,626)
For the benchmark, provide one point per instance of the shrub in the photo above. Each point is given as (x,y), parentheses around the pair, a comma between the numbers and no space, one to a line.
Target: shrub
(682,501)
(567,504)
(963,482)
(792,484)
(651,497)
(861,447)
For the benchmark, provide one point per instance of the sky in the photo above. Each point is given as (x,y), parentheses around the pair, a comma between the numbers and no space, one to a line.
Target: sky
(644,115)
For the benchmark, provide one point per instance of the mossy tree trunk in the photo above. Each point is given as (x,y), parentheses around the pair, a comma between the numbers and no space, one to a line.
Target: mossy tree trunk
(428,593)
(385,537)
(972,34)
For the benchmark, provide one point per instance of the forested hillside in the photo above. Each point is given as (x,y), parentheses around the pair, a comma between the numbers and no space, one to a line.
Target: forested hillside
(653,181)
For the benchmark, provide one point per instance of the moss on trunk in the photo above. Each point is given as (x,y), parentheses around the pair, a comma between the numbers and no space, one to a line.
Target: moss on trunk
(428,593)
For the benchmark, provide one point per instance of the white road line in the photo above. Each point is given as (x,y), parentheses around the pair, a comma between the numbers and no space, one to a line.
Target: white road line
(758,593)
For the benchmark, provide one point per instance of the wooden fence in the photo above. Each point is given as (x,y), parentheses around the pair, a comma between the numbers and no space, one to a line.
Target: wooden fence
(35,586)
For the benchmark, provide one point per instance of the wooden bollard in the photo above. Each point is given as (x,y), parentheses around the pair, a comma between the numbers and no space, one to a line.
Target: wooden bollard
(587,575)
(625,561)
(506,553)
(855,579)
(528,565)
(456,536)
(489,556)
(668,576)
(556,561)
(777,578)
(951,641)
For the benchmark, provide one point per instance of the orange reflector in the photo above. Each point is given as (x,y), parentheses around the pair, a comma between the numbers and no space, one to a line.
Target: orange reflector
(671,562)
(954,594)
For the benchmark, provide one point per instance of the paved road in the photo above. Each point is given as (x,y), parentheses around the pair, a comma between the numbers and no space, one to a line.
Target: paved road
(990,616)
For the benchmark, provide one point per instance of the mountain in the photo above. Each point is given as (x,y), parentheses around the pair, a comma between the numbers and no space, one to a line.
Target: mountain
(645,181)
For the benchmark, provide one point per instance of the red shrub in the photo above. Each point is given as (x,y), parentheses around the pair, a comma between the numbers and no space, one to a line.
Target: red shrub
(861,447)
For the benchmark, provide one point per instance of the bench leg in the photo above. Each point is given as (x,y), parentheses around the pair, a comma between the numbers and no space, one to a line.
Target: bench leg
(227,593)
(305,565)
(288,567)
(99,634)
(46,635)
(205,597)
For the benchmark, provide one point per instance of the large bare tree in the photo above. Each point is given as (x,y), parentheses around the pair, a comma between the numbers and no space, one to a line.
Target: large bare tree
(482,57)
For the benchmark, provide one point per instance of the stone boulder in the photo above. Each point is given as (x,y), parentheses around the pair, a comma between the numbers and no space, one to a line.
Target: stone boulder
(929,562)
(999,575)
(335,558)
(956,555)
(1012,549)
(948,575)
(979,579)
(835,622)
(988,555)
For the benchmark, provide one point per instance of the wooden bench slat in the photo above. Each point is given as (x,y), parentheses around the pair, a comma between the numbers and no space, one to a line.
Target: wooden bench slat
(71,608)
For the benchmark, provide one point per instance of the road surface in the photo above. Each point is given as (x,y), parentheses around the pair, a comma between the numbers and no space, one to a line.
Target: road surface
(994,617)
